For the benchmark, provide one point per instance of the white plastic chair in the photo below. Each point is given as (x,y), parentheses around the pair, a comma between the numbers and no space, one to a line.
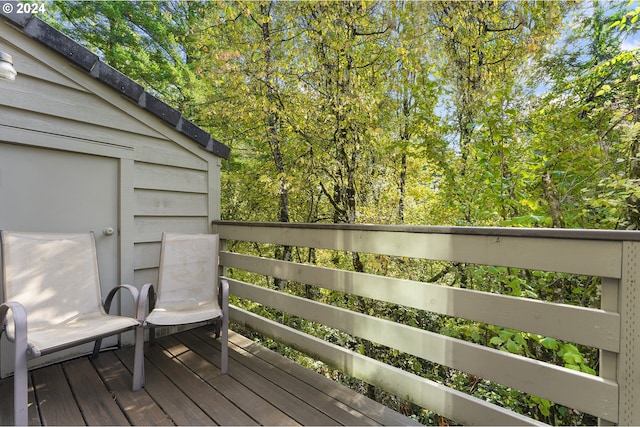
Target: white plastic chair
(189,288)
(53,301)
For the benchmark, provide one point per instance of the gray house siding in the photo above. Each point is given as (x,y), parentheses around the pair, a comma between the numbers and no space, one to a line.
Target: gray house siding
(166,179)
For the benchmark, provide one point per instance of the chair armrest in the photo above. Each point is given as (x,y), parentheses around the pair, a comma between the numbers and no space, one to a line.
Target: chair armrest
(147,297)
(19,324)
(223,294)
(107,305)
(224,297)
(132,289)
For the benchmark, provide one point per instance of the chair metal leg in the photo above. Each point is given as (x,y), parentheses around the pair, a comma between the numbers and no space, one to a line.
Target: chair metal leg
(152,336)
(138,360)
(146,296)
(217,326)
(224,361)
(20,397)
(96,349)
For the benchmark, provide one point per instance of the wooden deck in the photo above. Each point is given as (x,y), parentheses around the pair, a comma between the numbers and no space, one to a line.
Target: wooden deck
(184,387)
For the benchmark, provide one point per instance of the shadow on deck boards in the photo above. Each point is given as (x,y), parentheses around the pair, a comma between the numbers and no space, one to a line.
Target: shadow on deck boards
(184,387)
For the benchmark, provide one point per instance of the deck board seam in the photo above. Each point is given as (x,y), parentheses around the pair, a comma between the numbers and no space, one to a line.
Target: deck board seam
(347,413)
(205,380)
(183,388)
(238,358)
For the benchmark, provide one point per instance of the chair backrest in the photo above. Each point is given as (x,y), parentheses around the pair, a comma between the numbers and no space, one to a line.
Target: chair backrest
(188,273)
(53,275)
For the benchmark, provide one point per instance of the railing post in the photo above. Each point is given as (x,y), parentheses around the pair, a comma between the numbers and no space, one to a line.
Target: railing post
(609,301)
(628,369)
(222,247)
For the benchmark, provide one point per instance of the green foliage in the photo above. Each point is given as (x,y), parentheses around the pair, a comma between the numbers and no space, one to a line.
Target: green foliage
(520,114)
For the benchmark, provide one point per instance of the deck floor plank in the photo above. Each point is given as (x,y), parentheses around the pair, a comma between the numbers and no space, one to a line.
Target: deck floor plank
(298,409)
(97,405)
(34,410)
(221,410)
(183,386)
(323,401)
(54,397)
(176,405)
(138,407)
(6,403)
(244,398)
(361,404)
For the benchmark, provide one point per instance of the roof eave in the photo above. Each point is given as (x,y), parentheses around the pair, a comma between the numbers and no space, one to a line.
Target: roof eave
(88,61)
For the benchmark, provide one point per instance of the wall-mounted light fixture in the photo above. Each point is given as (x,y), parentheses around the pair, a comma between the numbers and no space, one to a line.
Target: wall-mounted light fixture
(7,72)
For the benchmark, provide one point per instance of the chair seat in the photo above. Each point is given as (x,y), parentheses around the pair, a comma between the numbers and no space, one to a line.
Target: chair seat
(177,314)
(76,330)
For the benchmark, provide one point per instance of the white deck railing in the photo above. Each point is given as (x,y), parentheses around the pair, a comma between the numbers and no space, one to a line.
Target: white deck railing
(613,396)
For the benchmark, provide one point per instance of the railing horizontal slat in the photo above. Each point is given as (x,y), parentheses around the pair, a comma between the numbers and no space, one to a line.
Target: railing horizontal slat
(591,327)
(577,390)
(444,401)
(584,257)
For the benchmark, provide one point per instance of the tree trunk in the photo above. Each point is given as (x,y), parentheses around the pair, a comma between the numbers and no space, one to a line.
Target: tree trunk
(553,200)
(402,185)
(273,134)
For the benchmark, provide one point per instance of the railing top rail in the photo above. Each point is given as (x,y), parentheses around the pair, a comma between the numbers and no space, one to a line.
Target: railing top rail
(557,233)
